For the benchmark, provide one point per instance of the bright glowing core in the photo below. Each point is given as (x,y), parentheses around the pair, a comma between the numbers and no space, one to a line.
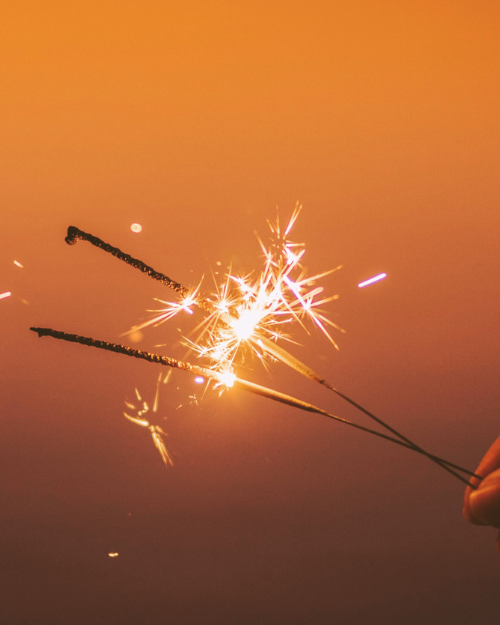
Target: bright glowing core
(244,326)
(227,378)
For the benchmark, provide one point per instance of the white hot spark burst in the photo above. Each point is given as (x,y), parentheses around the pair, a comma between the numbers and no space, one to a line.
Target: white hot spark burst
(255,312)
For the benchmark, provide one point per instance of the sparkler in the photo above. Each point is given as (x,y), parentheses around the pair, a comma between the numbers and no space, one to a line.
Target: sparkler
(255,313)
(223,379)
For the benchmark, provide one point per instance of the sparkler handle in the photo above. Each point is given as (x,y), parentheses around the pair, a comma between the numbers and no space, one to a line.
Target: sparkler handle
(75,234)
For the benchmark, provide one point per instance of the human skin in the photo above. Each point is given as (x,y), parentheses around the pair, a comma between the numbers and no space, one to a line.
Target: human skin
(482,505)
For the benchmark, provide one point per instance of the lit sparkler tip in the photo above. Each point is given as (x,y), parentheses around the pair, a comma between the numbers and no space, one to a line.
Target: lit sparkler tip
(380,276)
(6,294)
(227,378)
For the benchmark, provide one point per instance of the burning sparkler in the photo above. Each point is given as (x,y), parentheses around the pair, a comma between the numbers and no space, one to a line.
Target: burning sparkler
(245,385)
(246,312)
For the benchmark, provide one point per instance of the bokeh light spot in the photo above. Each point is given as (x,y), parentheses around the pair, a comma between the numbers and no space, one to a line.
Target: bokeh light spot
(136,337)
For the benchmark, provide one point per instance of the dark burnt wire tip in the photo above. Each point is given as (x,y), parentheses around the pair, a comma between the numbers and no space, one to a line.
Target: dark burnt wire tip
(74,234)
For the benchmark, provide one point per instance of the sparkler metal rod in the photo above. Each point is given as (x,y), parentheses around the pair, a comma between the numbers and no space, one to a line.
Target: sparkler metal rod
(75,234)
(238,383)
(285,357)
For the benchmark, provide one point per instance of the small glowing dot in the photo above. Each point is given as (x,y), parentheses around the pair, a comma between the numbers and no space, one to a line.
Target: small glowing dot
(136,337)
(6,294)
(199,379)
(380,276)
(218,263)
(113,555)
(18,264)
(136,228)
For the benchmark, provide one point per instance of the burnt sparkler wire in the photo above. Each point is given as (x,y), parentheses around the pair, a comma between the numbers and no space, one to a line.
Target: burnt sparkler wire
(240,383)
(75,234)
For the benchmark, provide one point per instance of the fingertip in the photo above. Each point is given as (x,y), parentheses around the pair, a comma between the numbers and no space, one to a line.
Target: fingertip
(484,504)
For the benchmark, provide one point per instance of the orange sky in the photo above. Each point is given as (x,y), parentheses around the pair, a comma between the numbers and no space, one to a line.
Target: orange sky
(196,120)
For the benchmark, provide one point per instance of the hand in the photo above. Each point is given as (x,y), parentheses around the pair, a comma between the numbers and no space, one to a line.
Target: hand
(482,506)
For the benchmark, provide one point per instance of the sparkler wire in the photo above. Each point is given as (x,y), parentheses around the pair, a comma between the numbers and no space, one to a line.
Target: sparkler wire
(238,383)
(299,366)
(75,234)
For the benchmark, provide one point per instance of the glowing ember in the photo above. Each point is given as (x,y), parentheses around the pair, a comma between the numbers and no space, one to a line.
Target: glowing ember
(199,379)
(136,228)
(380,276)
(113,555)
(18,264)
(6,294)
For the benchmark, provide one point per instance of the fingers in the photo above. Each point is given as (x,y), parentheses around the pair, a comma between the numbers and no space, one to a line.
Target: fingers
(485,504)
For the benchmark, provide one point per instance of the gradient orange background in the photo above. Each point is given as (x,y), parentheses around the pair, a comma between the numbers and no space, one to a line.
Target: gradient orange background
(196,119)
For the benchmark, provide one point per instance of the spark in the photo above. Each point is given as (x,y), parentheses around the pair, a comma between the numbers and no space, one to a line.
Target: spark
(172,308)
(380,276)
(247,312)
(156,431)
(136,228)
(18,264)
(199,379)
(113,554)
(6,294)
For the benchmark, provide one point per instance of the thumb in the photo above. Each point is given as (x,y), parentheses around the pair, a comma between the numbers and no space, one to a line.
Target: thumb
(484,503)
